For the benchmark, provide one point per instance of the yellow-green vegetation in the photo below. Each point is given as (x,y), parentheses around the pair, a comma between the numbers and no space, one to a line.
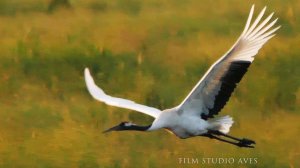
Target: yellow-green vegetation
(152,52)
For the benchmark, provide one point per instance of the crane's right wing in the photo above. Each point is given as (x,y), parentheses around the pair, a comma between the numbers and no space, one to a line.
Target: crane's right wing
(99,94)
(212,92)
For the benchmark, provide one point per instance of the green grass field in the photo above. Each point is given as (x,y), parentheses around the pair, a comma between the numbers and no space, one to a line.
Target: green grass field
(152,52)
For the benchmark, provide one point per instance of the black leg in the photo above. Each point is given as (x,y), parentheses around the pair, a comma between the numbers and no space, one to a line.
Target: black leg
(243,140)
(239,144)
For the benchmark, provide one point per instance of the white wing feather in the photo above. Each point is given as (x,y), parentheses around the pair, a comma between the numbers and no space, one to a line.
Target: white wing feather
(99,94)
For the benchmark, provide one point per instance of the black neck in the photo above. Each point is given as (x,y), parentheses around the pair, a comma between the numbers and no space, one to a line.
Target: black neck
(137,128)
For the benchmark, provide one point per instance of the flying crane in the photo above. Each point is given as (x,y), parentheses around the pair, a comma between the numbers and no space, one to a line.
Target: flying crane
(196,115)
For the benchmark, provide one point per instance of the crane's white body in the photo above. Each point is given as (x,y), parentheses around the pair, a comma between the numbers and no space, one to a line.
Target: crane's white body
(181,124)
(184,125)
(207,98)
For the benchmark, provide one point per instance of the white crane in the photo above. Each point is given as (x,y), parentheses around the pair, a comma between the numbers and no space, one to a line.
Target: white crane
(195,116)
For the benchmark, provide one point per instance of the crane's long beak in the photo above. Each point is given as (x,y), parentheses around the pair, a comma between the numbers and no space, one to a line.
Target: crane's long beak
(116,128)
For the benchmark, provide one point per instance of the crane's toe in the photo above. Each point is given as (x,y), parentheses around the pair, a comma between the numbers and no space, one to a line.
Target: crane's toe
(245,146)
(247,141)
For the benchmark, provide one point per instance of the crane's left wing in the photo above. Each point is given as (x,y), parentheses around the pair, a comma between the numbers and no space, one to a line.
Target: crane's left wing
(99,94)
(212,92)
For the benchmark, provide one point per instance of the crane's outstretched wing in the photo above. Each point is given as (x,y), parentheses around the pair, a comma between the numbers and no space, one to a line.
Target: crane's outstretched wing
(212,92)
(99,94)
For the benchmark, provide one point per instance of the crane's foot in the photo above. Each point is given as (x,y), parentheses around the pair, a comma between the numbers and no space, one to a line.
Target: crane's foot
(239,144)
(247,141)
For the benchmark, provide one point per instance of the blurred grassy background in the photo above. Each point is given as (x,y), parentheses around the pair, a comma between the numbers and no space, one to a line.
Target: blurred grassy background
(152,52)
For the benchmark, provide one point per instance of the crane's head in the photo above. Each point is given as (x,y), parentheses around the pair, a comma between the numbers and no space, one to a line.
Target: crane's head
(123,126)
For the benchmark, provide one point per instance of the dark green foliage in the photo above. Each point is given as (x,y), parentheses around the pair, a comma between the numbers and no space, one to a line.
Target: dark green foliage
(13,7)
(131,7)
(54,4)
(31,161)
(40,117)
(154,100)
(287,71)
(88,161)
(287,28)
(195,69)
(98,6)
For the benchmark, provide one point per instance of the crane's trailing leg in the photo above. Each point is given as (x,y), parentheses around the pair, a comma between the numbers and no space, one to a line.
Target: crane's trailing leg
(239,143)
(242,141)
